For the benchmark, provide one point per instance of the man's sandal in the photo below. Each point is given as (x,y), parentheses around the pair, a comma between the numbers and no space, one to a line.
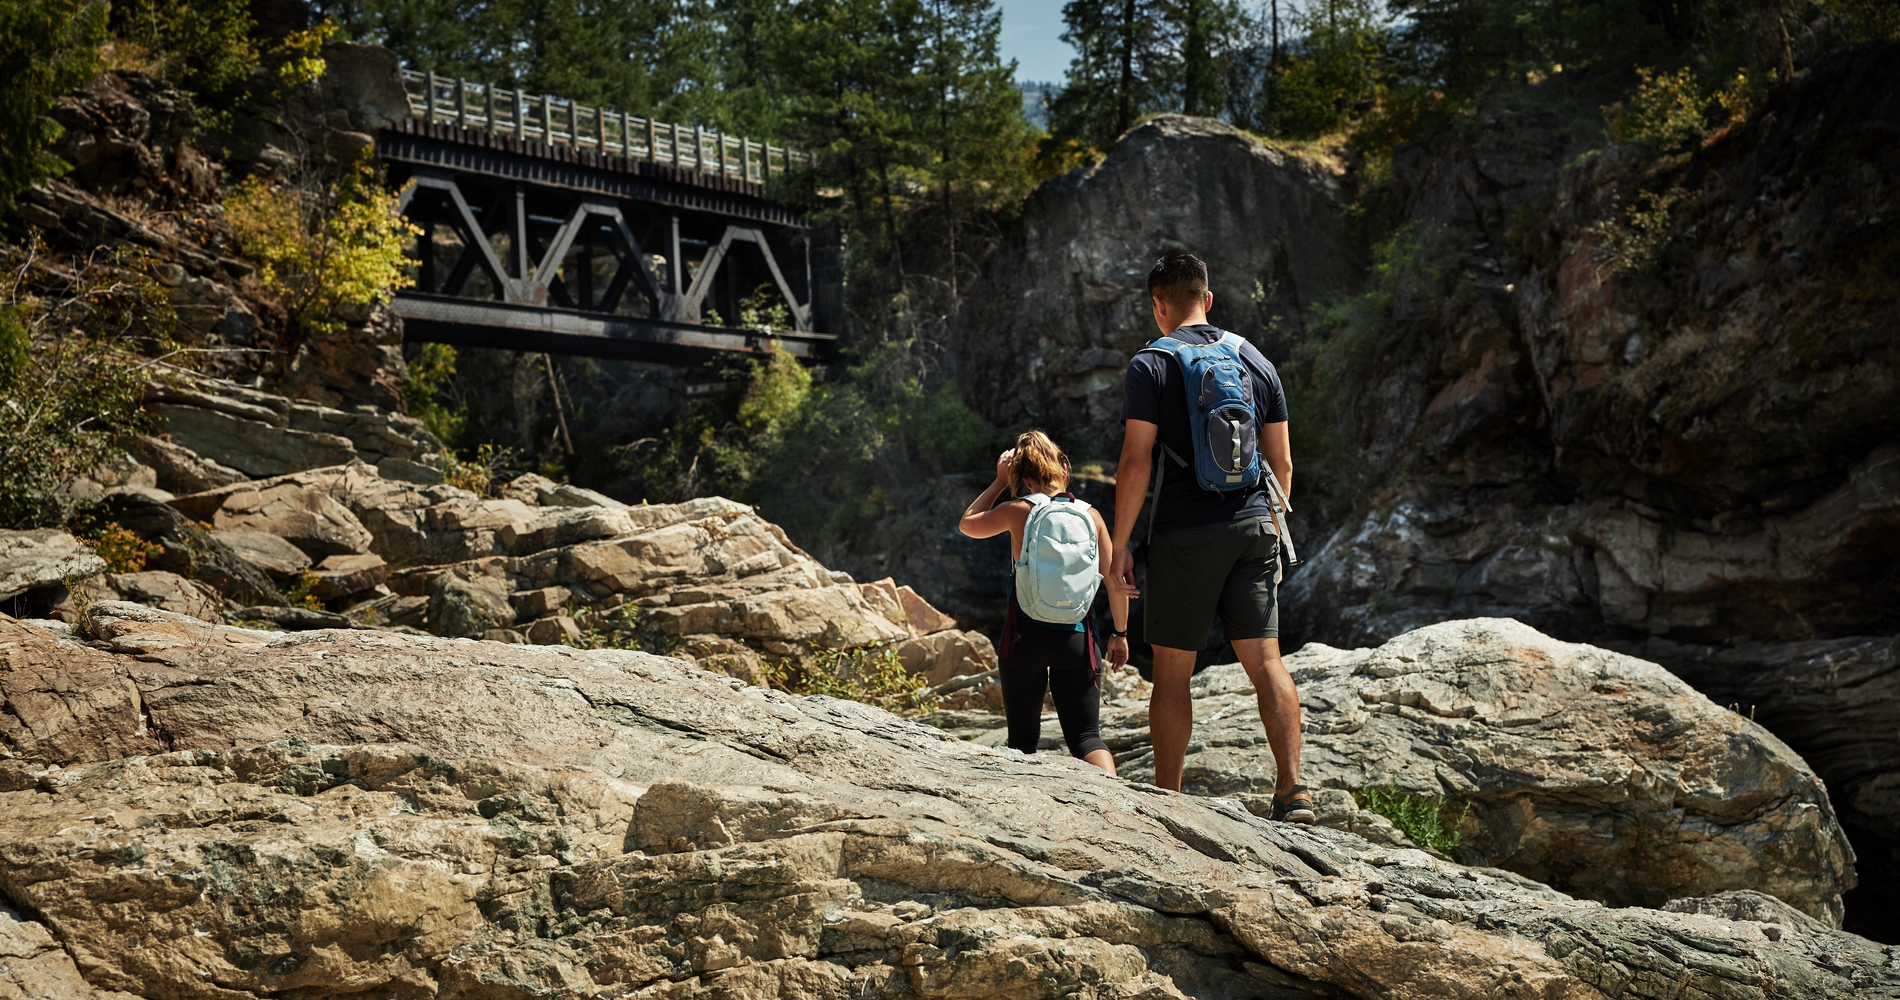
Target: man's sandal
(1295,806)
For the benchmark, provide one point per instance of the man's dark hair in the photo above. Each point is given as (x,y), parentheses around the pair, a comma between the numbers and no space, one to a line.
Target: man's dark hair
(1179,278)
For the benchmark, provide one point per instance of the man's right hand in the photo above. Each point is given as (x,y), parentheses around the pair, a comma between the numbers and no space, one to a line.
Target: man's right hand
(1121,573)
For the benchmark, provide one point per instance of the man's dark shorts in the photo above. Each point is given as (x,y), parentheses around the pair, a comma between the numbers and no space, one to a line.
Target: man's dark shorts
(1195,572)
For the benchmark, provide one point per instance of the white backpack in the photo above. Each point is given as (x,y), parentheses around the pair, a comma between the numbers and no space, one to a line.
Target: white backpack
(1060,568)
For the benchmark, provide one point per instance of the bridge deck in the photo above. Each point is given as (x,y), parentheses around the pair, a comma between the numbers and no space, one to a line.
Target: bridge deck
(470,151)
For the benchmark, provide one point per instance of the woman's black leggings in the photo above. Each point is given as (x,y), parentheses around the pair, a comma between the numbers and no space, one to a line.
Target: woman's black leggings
(1045,659)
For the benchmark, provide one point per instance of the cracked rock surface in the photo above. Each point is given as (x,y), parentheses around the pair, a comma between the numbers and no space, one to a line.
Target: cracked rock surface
(1596,772)
(193,810)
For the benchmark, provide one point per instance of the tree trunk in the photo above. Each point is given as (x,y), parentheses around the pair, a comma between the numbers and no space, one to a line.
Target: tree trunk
(1125,113)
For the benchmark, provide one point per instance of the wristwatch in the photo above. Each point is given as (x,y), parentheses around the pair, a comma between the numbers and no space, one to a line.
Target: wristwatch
(1118,633)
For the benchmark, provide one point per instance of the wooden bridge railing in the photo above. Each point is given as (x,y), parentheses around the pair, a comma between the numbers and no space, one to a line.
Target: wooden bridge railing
(561,122)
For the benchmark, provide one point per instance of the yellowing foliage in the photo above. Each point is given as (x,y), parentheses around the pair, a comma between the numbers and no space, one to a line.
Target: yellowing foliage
(323,250)
(121,547)
(302,55)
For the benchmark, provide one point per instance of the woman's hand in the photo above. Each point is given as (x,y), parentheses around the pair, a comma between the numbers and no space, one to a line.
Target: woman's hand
(1002,465)
(1118,651)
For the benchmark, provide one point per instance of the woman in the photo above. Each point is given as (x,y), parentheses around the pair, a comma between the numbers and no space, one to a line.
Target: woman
(1046,655)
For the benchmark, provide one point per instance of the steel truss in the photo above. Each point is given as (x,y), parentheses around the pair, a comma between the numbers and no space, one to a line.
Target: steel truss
(507,263)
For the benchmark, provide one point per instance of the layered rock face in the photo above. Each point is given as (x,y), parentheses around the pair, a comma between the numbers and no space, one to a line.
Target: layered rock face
(1064,302)
(197,810)
(239,433)
(1699,447)
(1592,771)
(138,182)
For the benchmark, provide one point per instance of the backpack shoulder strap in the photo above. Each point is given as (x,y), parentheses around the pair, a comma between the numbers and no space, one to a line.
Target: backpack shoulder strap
(1035,500)
(1231,340)
(1163,345)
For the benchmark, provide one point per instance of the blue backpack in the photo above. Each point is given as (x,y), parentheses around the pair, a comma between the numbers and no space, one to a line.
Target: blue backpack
(1222,419)
(1224,425)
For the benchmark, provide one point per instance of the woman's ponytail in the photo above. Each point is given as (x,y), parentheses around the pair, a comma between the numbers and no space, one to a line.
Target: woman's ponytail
(1038,459)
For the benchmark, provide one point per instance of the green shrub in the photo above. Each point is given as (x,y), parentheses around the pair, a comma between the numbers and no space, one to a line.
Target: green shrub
(1426,819)
(870,674)
(430,374)
(1352,338)
(478,474)
(205,46)
(624,627)
(79,340)
(1667,108)
(1631,242)
(819,458)
(216,50)
(302,594)
(47,47)
(775,392)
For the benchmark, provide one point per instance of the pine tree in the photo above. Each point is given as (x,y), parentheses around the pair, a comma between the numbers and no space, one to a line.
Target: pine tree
(1210,33)
(1125,60)
(981,140)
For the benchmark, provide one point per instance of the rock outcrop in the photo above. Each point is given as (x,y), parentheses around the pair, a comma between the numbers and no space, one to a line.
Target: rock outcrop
(1063,303)
(211,811)
(262,434)
(708,579)
(1677,438)
(1595,772)
(1695,443)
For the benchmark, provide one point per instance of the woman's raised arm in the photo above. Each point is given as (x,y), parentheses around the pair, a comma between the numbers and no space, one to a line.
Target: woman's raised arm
(982,519)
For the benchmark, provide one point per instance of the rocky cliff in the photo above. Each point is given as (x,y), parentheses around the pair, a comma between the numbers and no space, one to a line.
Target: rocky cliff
(1669,431)
(1695,445)
(198,810)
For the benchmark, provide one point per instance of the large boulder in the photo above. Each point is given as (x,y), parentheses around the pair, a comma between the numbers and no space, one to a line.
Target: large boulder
(468,607)
(251,446)
(340,577)
(938,657)
(166,591)
(308,517)
(178,469)
(266,434)
(1595,772)
(545,822)
(42,557)
(267,553)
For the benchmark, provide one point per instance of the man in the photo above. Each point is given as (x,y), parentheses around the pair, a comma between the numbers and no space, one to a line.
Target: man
(1209,551)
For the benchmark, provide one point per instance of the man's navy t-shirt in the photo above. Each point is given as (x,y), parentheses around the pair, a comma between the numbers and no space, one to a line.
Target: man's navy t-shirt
(1153,391)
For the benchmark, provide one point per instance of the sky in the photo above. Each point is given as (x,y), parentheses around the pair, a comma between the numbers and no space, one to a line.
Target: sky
(1032,35)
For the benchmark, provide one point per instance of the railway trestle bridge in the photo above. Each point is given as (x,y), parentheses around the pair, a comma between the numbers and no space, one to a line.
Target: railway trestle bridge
(554,227)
